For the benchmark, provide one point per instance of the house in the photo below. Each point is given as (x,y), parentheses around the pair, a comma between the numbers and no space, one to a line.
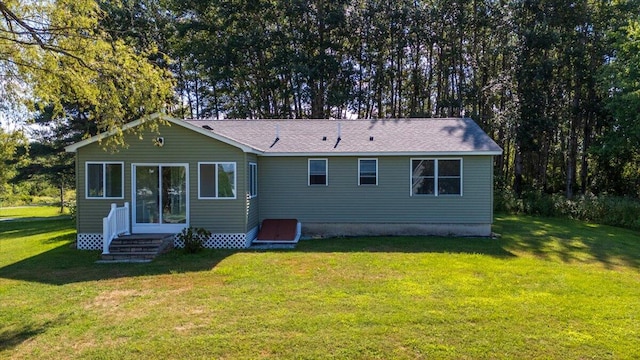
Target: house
(336,177)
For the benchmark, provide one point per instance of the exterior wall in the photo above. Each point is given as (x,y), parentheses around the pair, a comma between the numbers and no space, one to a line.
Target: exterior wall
(285,194)
(181,145)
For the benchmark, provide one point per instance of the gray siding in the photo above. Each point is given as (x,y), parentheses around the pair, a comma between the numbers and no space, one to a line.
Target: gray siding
(181,146)
(284,193)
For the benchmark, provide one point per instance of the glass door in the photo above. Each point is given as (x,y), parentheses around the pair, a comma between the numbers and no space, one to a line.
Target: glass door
(160,198)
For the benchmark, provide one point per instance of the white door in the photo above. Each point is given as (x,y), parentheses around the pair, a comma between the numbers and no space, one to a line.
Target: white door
(160,198)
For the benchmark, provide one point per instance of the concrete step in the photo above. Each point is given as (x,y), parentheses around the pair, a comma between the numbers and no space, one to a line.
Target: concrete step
(138,247)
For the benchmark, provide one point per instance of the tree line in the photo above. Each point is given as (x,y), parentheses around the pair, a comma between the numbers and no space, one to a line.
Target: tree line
(554,82)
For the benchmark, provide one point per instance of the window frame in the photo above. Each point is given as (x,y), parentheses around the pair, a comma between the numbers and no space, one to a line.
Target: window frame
(360,172)
(326,171)
(253,180)
(104,180)
(436,176)
(217,178)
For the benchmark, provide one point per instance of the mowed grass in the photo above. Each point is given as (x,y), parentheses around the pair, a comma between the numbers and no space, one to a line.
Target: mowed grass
(546,288)
(28,212)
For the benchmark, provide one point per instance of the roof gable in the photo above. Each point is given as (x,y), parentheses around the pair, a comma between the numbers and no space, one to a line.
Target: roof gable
(157,116)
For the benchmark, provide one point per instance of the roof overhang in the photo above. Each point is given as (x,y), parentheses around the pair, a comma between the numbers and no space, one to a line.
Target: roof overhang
(363,154)
(162,117)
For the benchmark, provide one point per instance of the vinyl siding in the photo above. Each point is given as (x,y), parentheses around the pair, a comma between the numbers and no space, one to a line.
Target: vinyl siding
(180,146)
(285,194)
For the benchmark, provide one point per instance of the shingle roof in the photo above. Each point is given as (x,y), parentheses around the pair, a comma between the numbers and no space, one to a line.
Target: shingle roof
(384,136)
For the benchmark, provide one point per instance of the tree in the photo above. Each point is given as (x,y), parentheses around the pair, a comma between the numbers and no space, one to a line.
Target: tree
(617,147)
(60,54)
(10,143)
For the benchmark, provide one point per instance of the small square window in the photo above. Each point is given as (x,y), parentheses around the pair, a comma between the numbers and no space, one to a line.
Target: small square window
(367,171)
(318,172)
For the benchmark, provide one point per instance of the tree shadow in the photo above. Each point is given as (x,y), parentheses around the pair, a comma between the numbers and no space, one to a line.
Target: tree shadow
(65,264)
(571,241)
(12,337)
(19,228)
(467,130)
(407,244)
(472,133)
(553,239)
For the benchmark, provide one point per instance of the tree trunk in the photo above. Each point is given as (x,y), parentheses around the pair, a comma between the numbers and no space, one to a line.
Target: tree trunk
(517,178)
(61,196)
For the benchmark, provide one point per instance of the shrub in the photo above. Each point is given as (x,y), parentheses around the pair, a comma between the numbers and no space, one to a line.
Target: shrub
(193,239)
(73,209)
(607,210)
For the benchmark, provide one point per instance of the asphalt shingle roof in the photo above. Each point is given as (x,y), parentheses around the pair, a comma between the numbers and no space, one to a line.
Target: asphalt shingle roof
(441,136)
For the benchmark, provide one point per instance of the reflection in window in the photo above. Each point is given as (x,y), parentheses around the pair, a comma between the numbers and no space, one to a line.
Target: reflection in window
(317,171)
(217,180)
(104,180)
(436,177)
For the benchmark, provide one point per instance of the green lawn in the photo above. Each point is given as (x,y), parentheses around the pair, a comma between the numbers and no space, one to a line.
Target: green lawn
(26,212)
(546,288)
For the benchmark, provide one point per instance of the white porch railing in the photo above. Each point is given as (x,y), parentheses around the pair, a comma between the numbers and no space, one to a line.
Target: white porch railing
(116,223)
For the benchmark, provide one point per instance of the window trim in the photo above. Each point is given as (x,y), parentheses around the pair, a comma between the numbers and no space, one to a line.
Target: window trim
(215,166)
(436,177)
(326,171)
(360,173)
(104,180)
(253,180)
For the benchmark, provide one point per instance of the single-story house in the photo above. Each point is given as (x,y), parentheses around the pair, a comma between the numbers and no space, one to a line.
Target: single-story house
(336,177)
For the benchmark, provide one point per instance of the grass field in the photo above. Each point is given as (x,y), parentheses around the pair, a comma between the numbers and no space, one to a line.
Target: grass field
(546,288)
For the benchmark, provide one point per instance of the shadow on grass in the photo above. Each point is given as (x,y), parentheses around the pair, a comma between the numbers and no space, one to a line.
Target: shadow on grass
(553,239)
(20,228)
(407,244)
(570,241)
(64,264)
(10,338)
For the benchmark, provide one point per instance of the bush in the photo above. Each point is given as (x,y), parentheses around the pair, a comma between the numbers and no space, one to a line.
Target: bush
(607,210)
(193,239)
(73,209)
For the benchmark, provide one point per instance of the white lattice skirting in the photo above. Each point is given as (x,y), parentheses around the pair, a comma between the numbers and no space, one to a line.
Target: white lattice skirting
(87,241)
(223,241)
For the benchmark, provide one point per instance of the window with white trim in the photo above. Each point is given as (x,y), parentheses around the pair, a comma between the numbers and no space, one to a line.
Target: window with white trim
(253,180)
(367,171)
(436,177)
(318,172)
(104,180)
(217,180)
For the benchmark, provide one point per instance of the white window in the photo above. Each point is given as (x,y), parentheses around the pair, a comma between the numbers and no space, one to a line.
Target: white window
(318,172)
(253,180)
(217,180)
(104,180)
(436,177)
(367,171)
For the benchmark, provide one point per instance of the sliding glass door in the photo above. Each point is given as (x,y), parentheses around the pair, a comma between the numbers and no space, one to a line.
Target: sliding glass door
(160,198)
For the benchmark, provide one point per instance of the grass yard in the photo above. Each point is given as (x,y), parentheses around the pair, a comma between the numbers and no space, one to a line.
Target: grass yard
(546,288)
(28,212)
